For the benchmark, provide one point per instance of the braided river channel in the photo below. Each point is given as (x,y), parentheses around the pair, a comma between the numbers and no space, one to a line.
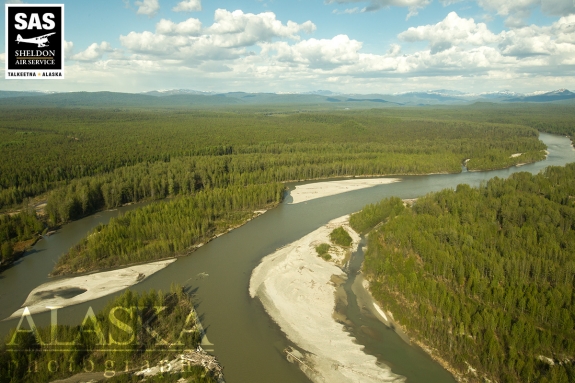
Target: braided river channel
(248,344)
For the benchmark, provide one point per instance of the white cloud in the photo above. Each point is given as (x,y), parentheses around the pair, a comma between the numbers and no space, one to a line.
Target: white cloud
(151,43)
(556,40)
(258,52)
(348,11)
(324,53)
(147,7)
(459,44)
(214,66)
(445,3)
(564,30)
(2,57)
(351,10)
(517,11)
(227,38)
(188,6)
(375,5)
(450,62)
(235,29)
(558,7)
(94,52)
(505,8)
(394,50)
(453,30)
(68,49)
(13,2)
(190,27)
(459,48)
(527,41)
(339,61)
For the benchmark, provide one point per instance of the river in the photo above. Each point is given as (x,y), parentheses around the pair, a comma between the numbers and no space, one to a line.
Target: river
(247,342)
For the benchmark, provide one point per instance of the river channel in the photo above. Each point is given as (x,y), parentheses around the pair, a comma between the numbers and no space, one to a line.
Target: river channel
(246,341)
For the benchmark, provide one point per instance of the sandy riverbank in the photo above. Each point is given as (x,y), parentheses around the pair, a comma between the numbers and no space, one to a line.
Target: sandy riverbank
(308,192)
(71,291)
(368,302)
(297,290)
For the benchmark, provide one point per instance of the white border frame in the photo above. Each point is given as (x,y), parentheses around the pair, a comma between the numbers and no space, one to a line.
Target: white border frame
(62,58)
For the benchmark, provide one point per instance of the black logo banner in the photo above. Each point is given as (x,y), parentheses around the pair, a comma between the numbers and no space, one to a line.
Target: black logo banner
(34,41)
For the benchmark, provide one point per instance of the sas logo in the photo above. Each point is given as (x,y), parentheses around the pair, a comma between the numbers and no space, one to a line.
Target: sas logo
(34,41)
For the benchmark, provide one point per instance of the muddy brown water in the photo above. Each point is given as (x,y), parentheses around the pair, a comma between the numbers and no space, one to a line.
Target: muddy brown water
(247,342)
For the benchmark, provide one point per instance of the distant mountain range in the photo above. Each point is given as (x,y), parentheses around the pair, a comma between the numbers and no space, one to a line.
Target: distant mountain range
(172,92)
(556,95)
(187,97)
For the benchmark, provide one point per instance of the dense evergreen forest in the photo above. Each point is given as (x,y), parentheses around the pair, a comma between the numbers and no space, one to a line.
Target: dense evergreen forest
(137,153)
(169,228)
(117,339)
(487,269)
(549,118)
(485,275)
(85,160)
(16,231)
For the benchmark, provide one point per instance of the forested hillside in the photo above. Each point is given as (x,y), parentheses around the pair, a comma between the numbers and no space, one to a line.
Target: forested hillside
(483,275)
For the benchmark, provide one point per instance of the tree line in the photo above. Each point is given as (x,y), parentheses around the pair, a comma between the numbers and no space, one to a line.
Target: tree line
(167,229)
(553,118)
(483,275)
(44,149)
(15,228)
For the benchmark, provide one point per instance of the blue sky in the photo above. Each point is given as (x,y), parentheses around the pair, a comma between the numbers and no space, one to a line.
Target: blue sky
(353,46)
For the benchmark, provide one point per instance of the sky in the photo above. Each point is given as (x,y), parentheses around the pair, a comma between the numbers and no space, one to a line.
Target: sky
(281,46)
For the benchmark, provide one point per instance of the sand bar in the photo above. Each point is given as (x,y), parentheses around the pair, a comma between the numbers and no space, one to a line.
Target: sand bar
(296,289)
(71,291)
(308,192)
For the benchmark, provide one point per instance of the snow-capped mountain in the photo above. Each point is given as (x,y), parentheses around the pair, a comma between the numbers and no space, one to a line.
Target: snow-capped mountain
(172,92)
